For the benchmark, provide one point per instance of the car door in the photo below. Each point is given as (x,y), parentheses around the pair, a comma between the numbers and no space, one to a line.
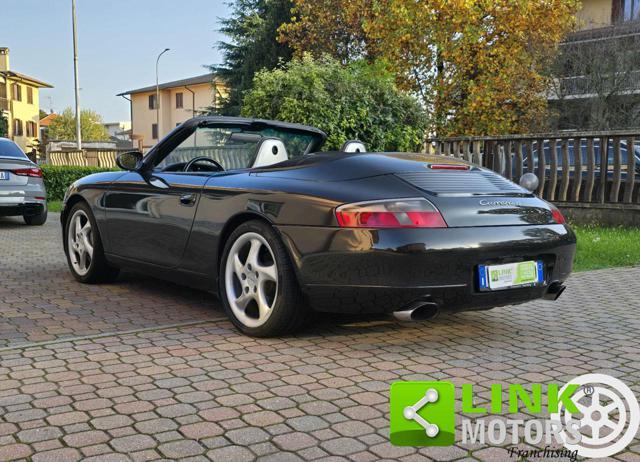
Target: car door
(150,213)
(149,219)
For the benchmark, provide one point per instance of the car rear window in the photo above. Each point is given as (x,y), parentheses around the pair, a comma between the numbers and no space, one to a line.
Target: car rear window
(10,149)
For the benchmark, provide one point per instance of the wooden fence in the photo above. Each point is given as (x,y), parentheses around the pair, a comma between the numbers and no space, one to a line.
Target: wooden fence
(88,157)
(572,168)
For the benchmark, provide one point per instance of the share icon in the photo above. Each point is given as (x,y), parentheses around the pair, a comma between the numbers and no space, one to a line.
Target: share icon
(411,412)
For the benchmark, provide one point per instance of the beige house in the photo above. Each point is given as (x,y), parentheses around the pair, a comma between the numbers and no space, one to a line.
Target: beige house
(179,100)
(20,103)
(601,13)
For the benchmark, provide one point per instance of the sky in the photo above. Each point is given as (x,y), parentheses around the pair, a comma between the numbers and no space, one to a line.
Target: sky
(118,42)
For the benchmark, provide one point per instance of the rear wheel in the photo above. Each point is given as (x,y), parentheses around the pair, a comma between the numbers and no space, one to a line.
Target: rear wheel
(258,287)
(36,220)
(85,254)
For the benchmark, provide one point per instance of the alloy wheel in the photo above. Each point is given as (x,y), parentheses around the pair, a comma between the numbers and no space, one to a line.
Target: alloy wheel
(80,242)
(251,279)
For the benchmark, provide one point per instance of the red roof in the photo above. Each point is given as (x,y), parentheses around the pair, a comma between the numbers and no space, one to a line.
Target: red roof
(46,121)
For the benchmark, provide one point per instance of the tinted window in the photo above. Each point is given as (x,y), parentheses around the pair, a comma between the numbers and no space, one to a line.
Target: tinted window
(10,149)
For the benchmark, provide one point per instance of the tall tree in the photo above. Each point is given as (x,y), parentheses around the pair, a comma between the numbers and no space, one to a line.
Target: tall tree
(479,66)
(63,127)
(597,78)
(330,27)
(252,45)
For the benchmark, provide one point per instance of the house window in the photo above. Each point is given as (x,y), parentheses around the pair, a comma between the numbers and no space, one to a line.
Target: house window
(153,102)
(29,95)
(179,100)
(32,129)
(631,10)
(626,10)
(17,127)
(154,131)
(16,89)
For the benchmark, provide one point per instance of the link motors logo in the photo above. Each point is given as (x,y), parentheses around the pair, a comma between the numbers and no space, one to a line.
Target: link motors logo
(594,415)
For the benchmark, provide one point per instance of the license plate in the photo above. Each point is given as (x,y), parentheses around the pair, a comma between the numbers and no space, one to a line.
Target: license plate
(521,274)
(4,175)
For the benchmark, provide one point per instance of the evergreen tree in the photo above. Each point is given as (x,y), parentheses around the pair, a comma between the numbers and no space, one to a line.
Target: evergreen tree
(252,46)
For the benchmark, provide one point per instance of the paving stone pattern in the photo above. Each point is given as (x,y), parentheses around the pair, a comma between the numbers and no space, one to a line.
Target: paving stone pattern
(205,392)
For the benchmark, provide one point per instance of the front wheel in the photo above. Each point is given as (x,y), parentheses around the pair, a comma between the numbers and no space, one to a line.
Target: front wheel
(85,255)
(258,286)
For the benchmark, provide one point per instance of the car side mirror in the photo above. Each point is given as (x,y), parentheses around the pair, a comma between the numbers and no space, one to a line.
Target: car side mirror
(129,160)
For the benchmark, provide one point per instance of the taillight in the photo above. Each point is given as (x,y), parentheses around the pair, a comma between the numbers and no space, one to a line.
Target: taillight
(448,167)
(393,213)
(34,172)
(557,215)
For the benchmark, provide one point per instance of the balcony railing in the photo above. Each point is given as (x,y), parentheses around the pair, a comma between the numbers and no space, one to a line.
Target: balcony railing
(622,83)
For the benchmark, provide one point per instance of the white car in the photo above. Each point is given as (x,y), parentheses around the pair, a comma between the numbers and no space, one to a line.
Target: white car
(22,191)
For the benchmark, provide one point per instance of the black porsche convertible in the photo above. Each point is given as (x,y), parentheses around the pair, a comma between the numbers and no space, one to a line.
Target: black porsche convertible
(254,211)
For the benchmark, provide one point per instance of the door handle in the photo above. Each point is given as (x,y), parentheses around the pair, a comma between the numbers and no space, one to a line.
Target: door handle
(188,199)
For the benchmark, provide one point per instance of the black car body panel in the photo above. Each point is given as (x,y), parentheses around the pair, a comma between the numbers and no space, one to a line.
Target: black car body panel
(174,224)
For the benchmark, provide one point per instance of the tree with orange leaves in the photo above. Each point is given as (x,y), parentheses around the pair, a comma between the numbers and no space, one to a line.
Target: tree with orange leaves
(479,66)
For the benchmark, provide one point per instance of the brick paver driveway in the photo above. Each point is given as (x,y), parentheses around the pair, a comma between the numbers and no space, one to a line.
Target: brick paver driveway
(202,391)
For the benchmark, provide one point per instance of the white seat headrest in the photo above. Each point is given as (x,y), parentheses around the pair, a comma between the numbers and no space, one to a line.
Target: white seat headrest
(353,146)
(271,151)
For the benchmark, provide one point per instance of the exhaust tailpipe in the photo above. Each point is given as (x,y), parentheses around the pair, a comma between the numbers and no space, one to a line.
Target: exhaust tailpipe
(554,291)
(417,311)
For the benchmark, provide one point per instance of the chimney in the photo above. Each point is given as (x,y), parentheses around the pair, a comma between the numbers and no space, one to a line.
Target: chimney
(4,59)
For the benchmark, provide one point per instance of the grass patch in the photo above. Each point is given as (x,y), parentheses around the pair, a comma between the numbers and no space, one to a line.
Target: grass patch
(54,206)
(606,247)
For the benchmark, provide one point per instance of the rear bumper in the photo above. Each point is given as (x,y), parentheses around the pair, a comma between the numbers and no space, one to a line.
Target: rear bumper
(22,209)
(375,271)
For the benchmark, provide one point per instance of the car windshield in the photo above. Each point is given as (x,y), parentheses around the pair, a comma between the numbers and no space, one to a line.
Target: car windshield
(10,149)
(235,147)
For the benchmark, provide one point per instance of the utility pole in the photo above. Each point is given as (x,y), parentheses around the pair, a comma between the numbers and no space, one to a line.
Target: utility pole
(75,75)
(158,93)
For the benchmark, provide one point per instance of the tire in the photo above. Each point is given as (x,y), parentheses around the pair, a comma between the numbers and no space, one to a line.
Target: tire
(36,220)
(86,240)
(256,304)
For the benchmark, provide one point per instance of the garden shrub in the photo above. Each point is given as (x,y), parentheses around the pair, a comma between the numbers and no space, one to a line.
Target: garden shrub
(57,178)
(357,101)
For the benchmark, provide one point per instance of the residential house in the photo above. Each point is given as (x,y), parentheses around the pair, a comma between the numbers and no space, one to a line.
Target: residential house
(599,71)
(179,101)
(117,129)
(44,125)
(20,103)
(119,133)
(603,13)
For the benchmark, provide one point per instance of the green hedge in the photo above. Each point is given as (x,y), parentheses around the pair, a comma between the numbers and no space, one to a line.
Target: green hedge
(57,178)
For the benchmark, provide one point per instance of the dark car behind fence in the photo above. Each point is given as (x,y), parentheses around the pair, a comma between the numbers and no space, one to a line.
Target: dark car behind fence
(572,168)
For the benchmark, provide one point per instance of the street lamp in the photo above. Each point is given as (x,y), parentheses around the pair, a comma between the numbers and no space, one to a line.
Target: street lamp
(158,93)
(75,76)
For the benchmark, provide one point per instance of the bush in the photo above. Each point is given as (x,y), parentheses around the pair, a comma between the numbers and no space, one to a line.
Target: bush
(57,178)
(358,101)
